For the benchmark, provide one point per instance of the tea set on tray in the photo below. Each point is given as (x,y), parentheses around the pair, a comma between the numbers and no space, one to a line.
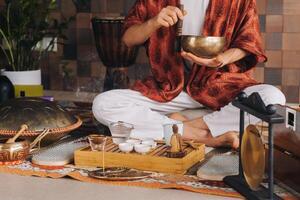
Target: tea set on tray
(97,143)
(120,136)
(121,151)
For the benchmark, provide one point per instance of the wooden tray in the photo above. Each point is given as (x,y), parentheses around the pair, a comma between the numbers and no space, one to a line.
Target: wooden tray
(155,160)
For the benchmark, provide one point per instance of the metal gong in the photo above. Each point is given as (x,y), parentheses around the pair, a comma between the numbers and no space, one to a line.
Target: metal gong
(37,114)
(253,157)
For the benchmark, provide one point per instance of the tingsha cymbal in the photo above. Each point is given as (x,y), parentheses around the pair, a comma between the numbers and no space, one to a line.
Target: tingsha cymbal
(253,157)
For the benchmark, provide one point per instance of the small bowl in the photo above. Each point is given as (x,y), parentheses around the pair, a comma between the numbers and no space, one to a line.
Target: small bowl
(149,142)
(96,142)
(142,148)
(133,142)
(205,47)
(126,147)
(120,131)
(13,153)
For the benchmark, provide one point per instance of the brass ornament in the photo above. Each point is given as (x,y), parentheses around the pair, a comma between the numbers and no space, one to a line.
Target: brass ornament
(176,150)
(205,47)
(253,157)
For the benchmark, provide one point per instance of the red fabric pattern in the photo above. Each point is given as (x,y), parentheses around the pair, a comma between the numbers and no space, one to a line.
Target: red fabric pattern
(236,20)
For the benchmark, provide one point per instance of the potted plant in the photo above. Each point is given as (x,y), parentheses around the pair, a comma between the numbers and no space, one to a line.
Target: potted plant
(28,33)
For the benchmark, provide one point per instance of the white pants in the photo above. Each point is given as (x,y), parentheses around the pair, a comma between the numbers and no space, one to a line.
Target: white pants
(148,116)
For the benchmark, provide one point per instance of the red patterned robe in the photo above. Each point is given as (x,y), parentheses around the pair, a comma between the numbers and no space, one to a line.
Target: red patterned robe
(237,20)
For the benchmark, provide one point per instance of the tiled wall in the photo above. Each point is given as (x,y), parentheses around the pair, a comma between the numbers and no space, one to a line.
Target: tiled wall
(280,26)
(79,57)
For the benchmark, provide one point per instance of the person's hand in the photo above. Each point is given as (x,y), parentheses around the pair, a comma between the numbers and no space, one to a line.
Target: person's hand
(168,16)
(209,62)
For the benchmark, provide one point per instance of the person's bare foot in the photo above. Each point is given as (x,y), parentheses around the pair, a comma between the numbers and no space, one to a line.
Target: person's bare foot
(229,139)
(196,134)
(197,130)
(232,138)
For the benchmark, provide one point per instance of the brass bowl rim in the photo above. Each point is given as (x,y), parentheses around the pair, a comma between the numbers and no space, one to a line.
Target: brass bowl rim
(9,145)
(220,38)
(202,36)
(107,19)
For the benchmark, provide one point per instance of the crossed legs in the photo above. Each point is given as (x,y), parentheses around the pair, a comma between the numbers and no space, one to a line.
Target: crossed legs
(219,128)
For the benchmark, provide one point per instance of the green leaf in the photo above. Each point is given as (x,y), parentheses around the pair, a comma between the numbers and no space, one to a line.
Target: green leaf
(24,23)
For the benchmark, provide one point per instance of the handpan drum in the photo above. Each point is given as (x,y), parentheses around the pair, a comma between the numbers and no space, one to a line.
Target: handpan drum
(114,54)
(38,115)
(253,157)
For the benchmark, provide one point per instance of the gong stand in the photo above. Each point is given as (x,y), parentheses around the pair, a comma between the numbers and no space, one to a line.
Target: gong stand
(238,182)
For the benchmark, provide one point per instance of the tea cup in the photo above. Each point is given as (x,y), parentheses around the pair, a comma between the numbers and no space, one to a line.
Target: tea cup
(133,141)
(126,147)
(142,148)
(149,142)
(96,142)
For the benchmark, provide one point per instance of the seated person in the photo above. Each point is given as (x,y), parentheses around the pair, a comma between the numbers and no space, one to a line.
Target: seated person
(176,85)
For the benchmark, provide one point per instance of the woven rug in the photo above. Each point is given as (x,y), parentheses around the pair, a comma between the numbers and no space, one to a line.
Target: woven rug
(157,180)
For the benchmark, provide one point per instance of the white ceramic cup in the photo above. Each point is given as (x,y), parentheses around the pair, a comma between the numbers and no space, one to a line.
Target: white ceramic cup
(168,131)
(120,131)
(126,147)
(149,142)
(142,148)
(133,141)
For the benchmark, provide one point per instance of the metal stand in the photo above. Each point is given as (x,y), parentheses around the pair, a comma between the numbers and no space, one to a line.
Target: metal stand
(238,182)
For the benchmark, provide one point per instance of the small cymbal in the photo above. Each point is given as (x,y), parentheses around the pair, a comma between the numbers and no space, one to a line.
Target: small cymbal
(253,157)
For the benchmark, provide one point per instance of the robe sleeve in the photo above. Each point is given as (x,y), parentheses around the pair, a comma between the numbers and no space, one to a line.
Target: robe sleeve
(136,15)
(248,38)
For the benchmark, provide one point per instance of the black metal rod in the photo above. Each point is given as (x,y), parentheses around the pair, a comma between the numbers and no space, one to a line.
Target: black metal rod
(271,161)
(275,118)
(242,126)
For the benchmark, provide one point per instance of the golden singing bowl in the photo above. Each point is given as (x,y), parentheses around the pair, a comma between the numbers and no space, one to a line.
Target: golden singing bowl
(205,47)
(13,152)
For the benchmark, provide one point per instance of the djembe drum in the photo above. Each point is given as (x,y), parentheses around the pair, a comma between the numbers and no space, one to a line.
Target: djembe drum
(114,54)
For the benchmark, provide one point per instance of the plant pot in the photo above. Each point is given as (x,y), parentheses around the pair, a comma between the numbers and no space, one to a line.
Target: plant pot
(32,77)
(26,83)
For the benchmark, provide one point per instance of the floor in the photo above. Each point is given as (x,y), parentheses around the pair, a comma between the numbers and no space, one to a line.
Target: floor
(13,187)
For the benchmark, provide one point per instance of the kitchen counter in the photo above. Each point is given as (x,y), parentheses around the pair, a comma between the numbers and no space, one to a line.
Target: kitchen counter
(14,187)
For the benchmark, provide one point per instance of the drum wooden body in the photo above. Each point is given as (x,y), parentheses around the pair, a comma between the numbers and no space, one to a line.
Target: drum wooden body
(114,54)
